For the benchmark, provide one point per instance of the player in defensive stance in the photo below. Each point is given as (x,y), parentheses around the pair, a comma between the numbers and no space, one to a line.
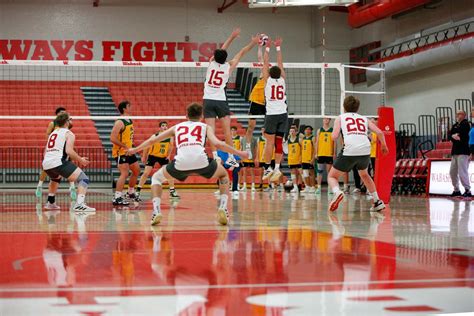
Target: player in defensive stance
(276,118)
(59,147)
(191,158)
(355,153)
(215,99)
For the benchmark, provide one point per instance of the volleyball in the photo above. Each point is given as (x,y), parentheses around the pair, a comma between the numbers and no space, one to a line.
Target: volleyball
(263,39)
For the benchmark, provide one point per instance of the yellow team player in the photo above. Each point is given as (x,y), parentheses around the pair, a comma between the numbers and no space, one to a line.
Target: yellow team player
(294,157)
(238,143)
(325,152)
(373,149)
(158,153)
(122,139)
(39,188)
(308,144)
(261,155)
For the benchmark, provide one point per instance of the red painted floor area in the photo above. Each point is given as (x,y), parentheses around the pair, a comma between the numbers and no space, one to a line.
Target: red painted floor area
(281,255)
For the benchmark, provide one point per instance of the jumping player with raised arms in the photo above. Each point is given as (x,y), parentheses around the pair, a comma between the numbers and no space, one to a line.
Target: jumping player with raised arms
(215,99)
(355,153)
(191,158)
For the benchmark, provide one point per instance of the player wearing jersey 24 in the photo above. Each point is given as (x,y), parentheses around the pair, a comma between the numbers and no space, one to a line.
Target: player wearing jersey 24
(191,158)
(355,153)
(217,76)
(276,118)
(59,147)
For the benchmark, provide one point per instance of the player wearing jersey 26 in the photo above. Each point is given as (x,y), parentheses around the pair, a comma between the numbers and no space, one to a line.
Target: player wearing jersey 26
(60,147)
(355,153)
(191,158)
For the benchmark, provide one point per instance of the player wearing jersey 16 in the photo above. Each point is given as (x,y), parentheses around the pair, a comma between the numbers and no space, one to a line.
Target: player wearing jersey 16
(355,153)
(191,158)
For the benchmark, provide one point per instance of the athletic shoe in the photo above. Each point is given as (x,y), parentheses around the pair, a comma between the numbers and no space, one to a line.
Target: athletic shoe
(337,198)
(232,162)
(294,190)
(276,176)
(235,195)
(39,191)
(456,193)
(51,206)
(120,201)
(467,194)
(377,206)
(73,193)
(83,208)
(156,218)
(267,174)
(356,191)
(174,194)
(318,190)
(222,216)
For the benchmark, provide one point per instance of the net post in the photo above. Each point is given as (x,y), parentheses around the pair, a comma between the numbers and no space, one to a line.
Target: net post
(342,82)
(382,82)
(323,93)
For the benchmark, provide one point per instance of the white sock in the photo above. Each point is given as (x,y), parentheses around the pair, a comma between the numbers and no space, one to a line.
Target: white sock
(80,199)
(71,185)
(375,195)
(118,194)
(277,166)
(131,190)
(40,183)
(336,189)
(223,201)
(156,205)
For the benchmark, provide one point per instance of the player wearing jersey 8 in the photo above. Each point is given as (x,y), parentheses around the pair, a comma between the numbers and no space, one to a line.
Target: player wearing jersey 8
(325,151)
(191,158)
(355,153)
(294,157)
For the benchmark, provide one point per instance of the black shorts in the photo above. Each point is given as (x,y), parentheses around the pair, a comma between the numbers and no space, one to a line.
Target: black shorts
(65,170)
(152,160)
(257,109)
(249,164)
(307,166)
(325,160)
(206,172)
(215,108)
(347,163)
(298,166)
(127,159)
(276,124)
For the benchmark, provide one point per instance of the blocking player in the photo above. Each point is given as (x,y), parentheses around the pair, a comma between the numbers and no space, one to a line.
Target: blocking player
(276,118)
(355,153)
(191,158)
(60,147)
(325,151)
(294,157)
(260,158)
(159,153)
(39,188)
(122,139)
(308,144)
(215,99)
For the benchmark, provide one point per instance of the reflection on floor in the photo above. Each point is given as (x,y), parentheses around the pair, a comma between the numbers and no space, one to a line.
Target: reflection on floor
(281,255)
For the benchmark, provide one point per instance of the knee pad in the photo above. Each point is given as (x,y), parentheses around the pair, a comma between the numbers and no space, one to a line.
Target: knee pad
(305,173)
(57,180)
(278,145)
(158,178)
(82,180)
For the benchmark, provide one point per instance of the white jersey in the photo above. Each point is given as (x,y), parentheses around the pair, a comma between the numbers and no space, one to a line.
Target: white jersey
(190,140)
(216,80)
(275,96)
(354,128)
(55,153)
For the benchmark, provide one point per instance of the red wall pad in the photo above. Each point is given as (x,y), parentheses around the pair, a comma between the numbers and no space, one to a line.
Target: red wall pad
(385,164)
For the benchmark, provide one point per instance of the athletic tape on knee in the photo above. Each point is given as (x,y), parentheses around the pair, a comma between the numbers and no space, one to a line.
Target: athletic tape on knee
(278,145)
(158,178)
(82,180)
(305,173)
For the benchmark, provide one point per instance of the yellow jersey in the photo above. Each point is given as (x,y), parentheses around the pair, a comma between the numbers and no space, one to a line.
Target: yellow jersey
(258,93)
(250,160)
(373,146)
(294,152)
(307,152)
(237,142)
(126,137)
(325,143)
(162,149)
(261,149)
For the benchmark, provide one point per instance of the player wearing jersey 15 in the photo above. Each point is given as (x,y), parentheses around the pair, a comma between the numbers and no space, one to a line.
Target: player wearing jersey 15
(60,147)
(215,99)
(191,158)
(276,118)
(355,153)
